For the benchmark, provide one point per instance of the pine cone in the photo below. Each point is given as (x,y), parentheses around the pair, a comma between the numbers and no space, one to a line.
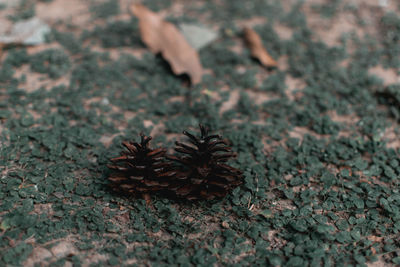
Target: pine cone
(207,176)
(140,169)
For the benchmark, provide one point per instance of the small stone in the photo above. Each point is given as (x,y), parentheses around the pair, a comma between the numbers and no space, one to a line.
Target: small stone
(198,36)
(105,101)
(383,3)
(225,224)
(28,32)
(63,249)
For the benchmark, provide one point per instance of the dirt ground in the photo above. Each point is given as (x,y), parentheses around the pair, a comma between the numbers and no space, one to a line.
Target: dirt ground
(316,137)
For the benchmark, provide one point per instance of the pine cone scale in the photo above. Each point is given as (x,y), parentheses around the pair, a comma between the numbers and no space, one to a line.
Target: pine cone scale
(130,147)
(117,179)
(119,168)
(136,178)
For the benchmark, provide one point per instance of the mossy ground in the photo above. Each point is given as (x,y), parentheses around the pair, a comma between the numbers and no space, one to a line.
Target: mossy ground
(317,138)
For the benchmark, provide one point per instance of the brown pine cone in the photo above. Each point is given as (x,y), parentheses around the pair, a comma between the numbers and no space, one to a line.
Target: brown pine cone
(205,174)
(140,169)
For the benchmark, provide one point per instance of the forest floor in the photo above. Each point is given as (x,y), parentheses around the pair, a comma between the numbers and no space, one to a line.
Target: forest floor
(317,137)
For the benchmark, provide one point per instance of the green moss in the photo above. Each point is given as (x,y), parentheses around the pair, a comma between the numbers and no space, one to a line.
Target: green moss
(327,10)
(24,10)
(158,5)
(17,57)
(310,162)
(390,28)
(67,40)
(105,9)
(116,34)
(54,62)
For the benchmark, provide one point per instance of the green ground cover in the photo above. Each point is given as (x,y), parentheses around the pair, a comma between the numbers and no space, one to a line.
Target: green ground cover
(328,196)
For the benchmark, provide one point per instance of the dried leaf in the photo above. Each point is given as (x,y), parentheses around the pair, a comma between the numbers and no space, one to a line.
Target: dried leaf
(374,238)
(147,198)
(225,224)
(257,49)
(163,37)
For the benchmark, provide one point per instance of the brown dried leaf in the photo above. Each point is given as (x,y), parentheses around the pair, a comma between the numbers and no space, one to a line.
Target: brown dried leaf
(257,49)
(374,238)
(225,224)
(147,198)
(163,37)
